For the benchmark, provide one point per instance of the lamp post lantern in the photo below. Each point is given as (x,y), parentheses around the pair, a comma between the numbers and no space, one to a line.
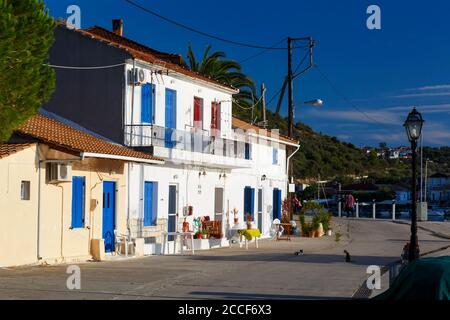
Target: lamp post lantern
(413,126)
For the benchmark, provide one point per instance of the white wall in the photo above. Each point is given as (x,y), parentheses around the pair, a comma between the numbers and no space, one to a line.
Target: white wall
(195,190)
(186,90)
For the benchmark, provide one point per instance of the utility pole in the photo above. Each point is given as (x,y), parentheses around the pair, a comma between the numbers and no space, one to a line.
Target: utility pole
(290,91)
(263,105)
(291,114)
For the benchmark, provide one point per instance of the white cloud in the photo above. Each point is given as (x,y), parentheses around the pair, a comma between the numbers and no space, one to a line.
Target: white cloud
(418,95)
(431,87)
(431,108)
(383,117)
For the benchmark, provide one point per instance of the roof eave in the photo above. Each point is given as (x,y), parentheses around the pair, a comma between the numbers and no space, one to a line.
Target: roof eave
(123,158)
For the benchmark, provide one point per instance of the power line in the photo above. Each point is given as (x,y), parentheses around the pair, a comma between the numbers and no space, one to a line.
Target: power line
(181,25)
(301,62)
(345,98)
(85,68)
(261,52)
(275,95)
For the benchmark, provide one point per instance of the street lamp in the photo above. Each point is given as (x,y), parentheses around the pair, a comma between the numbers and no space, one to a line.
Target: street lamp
(413,126)
(315,103)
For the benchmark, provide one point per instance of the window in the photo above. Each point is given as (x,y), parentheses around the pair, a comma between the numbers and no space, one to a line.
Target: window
(249,202)
(198,113)
(247,151)
(171,118)
(78,197)
(150,203)
(275,156)
(25,190)
(215,121)
(147,114)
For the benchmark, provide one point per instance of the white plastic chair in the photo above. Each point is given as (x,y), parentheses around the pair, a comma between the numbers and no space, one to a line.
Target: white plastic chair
(119,240)
(276,229)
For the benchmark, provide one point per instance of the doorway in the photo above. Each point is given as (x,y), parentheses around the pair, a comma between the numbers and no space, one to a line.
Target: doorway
(109,215)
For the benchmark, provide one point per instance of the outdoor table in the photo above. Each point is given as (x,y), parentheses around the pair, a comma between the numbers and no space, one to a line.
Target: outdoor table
(176,235)
(248,235)
(287,227)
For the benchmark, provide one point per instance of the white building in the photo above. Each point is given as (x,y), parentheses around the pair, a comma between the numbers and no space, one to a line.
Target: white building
(439,188)
(214,163)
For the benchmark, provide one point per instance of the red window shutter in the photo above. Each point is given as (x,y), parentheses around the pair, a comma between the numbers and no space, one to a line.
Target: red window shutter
(197,112)
(215,116)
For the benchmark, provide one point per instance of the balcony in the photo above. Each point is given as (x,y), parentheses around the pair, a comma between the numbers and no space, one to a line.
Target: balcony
(191,145)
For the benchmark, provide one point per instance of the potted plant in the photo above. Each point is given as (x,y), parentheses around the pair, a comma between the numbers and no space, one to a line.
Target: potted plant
(235,213)
(306,228)
(315,225)
(198,235)
(205,234)
(249,221)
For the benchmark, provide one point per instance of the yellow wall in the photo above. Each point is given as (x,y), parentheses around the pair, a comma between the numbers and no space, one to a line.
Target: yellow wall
(18,218)
(57,241)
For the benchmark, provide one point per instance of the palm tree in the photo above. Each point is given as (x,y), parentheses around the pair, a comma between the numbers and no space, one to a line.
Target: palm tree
(217,67)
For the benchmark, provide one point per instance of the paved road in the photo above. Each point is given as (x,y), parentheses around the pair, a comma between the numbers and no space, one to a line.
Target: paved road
(270,272)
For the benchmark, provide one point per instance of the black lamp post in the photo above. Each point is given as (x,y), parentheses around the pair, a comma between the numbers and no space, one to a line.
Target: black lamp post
(413,126)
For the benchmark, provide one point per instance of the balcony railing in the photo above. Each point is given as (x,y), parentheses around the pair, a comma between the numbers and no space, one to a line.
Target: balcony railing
(192,139)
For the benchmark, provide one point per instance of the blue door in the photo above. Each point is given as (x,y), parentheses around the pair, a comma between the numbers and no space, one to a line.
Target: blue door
(249,202)
(147,103)
(109,215)
(172,210)
(171,106)
(149,204)
(276,204)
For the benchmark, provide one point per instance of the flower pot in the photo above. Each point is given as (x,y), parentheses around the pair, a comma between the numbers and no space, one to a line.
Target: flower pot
(199,236)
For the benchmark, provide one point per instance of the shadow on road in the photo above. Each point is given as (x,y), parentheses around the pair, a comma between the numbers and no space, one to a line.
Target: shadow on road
(307,258)
(260,296)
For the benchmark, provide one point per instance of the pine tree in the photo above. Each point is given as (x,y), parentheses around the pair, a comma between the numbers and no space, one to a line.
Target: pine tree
(26,35)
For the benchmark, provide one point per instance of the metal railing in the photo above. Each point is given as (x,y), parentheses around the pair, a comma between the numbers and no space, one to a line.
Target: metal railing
(384,210)
(192,139)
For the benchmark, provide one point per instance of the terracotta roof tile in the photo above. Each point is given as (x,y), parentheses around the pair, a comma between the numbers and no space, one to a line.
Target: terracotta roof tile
(241,124)
(144,53)
(125,42)
(56,133)
(8,149)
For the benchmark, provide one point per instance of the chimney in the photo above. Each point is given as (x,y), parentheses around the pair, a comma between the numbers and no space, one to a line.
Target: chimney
(117,27)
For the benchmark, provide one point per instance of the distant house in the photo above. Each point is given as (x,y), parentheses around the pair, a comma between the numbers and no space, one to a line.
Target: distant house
(402,193)
(438,187)
(394,154)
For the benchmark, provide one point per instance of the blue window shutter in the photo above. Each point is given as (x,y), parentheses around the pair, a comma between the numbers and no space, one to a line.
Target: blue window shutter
(148,203)
(247,151)
(275,156)
(147,103)
(78,186)
(252,203)
(249,202)
(280,202)
(155,204)
(171,103)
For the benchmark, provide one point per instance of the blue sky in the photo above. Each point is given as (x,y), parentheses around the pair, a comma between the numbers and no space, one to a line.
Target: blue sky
(379,74)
